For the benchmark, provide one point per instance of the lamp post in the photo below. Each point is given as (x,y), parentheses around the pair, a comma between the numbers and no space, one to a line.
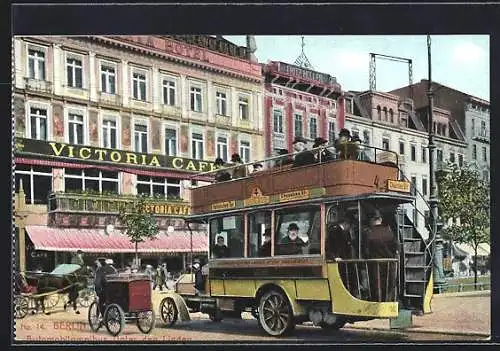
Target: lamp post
(437,242)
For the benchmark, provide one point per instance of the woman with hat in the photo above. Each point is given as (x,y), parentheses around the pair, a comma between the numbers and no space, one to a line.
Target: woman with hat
(341,144)
(241,170)
(323,154)
(222,175)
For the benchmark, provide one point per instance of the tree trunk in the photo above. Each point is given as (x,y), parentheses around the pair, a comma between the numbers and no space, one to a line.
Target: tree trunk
(136,256)
(475,267)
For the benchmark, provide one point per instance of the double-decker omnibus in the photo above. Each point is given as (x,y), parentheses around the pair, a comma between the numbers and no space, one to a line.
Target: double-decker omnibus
(288,244)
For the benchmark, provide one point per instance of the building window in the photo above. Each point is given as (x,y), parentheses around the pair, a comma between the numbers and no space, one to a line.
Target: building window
(485,156)
(37,182)
(460,160)
(196,99)
(413,153)
(140,137)
(473,127)
(139,86)
(439,129)
(278,121)
(391,115)
(169,92)
(385,114)
(424,186)
(414,186)
(221,101)
(243,107)
(385,143)
(151,186)
(424,154)
(331,132)
(440,155)
(36,64)
(91,179)
(109,133)
(245,151)
(366,137)
(313,128)
(298,126)
(222,148)
(474,152)
(74,73)
(75,126)
(379,113)
(38,122)
(197,146)
(401,147)
(108,79)
(486,176)
(444,129)
(170,141)
(452,157)
(483,129)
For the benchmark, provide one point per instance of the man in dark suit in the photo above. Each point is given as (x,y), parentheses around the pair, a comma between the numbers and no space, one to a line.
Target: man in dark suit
(380,242)
(292,244)
(304,157)
(220,250)
(322,154)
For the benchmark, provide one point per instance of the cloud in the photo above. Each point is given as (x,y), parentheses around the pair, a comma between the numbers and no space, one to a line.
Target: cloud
(467,52)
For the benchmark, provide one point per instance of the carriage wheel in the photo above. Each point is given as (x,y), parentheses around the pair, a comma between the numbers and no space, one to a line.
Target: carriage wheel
(86,297)
(114,319)
(94,317)
(275,313)
(21,307)
(168,311)
(51,301)
(146,321)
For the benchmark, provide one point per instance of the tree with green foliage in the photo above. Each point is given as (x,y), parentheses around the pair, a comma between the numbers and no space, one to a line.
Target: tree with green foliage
(140,225)
(464,195)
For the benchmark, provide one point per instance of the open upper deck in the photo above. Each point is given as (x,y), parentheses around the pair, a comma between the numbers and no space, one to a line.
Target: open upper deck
(282,184)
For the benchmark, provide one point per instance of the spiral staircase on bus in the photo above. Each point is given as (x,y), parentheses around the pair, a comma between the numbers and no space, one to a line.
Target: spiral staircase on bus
(416,257)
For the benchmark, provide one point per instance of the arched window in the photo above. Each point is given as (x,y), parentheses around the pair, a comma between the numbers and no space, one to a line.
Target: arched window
(379,115)
(391,115)
(385,114)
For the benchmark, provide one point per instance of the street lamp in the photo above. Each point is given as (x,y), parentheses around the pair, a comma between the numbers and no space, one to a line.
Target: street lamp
(437,241)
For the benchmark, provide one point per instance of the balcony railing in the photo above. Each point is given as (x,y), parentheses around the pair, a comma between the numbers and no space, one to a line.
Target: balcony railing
(111,99)
(38,85)
(110,204)
(481,135)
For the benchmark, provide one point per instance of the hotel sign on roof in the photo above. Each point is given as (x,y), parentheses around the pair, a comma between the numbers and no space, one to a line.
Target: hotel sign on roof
(304,73)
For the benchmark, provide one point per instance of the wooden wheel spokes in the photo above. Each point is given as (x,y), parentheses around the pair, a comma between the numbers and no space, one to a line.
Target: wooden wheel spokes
(114,318)
(146,321)
(276,317)
(21,307)
(168,311)
(94,317)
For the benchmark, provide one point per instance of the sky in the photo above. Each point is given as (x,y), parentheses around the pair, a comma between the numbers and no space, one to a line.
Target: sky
(458,61)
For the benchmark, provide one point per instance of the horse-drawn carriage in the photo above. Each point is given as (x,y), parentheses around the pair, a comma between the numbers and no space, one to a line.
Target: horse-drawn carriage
(34,290)
(127,298)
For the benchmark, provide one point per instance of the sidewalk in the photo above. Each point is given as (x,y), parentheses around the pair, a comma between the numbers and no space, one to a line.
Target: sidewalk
(466,313)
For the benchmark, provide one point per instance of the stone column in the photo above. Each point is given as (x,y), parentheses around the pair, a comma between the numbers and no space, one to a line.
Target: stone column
(234,107)
(18,57)
(184,95)
(57,179)
(209,100)
(59,69)
(125,83)
(156,93)
(21,206)
(92,77)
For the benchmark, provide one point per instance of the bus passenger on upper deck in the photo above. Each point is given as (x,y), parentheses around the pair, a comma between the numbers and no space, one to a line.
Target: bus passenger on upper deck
(322,154)
(241,170)
(221,175)
(284,160)
(292,244)
(257,167)
(304,157)
(265,249)
(359,149)
(220,250)
(341,144)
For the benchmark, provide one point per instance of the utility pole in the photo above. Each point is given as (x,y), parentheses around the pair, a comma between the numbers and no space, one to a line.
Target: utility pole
(437,242)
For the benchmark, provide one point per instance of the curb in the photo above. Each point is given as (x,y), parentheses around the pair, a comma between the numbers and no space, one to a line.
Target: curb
(463,294)
(423,330)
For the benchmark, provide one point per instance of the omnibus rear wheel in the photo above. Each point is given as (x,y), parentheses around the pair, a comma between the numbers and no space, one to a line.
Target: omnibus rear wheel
(168,311)
(275,313)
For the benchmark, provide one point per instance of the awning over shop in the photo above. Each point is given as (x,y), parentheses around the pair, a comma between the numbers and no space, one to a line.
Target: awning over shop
(464,249)
(96,240)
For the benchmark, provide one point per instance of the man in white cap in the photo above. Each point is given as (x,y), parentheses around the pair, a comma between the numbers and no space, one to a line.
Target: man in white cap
(110,263)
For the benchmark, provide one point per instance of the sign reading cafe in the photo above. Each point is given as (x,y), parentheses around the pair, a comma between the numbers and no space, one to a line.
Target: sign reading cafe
(88,153)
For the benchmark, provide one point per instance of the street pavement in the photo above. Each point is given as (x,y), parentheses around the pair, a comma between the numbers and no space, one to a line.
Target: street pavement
(464,316)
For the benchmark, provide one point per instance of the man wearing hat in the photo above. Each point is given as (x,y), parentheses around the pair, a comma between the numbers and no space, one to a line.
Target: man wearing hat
(257,167)
(240,171)
(360,153)
(100,281)
(304,157)
(220,250)
(322,154)
(291,244)
(265,249)
(285,159)
(341,144)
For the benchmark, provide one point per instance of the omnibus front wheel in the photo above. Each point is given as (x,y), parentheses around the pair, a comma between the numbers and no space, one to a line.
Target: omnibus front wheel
(275,313)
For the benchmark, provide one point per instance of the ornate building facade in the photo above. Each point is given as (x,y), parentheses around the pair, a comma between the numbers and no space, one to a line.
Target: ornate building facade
(100,119)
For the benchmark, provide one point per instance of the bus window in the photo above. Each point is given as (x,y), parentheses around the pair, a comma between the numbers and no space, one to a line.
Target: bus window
(226,237)
(259,229)
(298,231)
(342,227)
